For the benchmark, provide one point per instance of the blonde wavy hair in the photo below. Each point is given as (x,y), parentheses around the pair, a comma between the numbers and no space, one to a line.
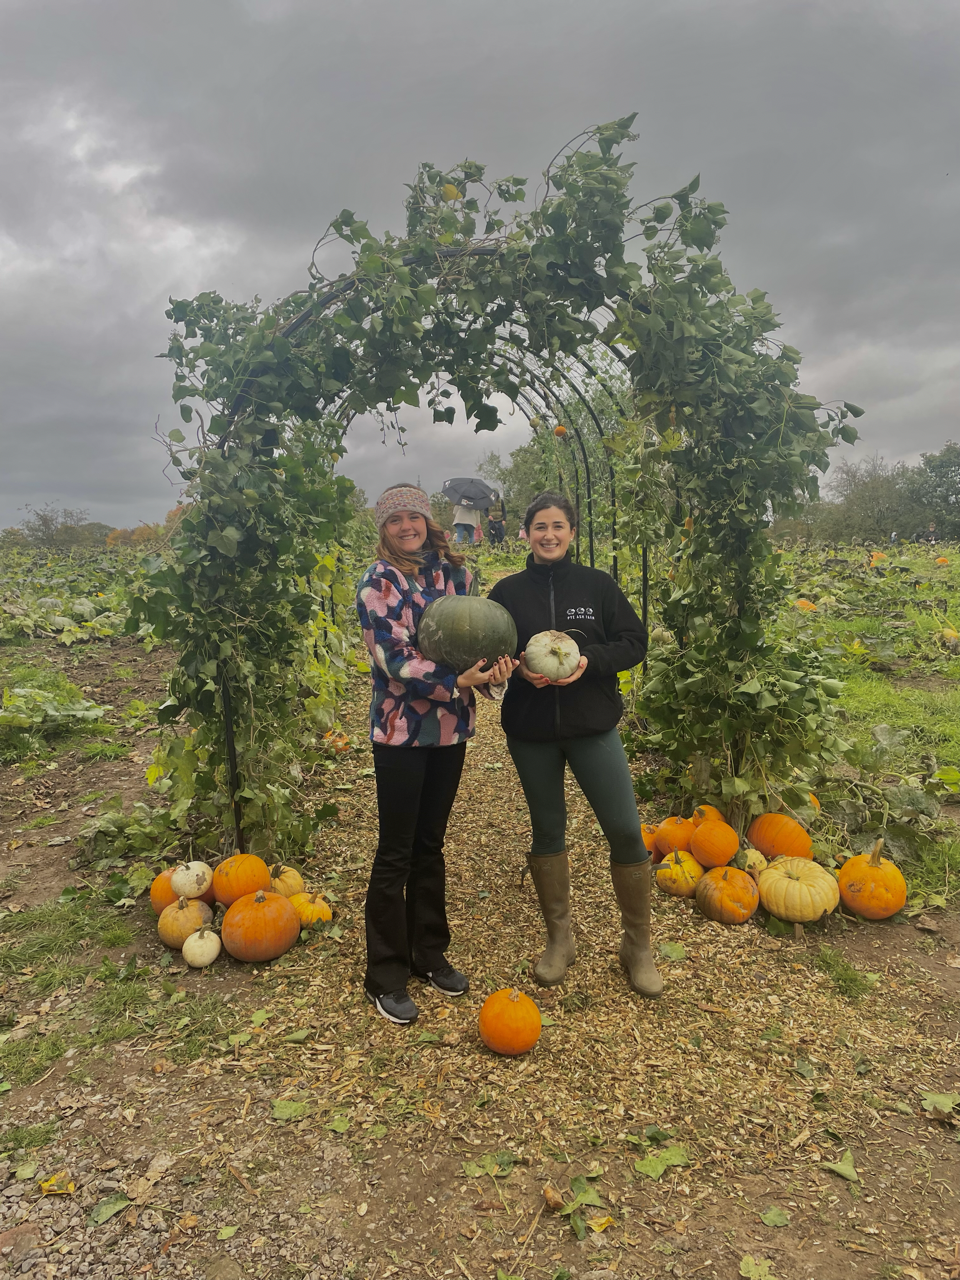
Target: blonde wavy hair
(411,564)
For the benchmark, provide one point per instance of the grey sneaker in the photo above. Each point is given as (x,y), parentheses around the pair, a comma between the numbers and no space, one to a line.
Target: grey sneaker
(396,1006)
(448,980)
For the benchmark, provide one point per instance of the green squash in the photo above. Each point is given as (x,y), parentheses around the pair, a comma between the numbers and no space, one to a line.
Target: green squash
(460,630)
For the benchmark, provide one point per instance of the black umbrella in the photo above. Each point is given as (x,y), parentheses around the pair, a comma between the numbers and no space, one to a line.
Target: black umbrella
(465,491)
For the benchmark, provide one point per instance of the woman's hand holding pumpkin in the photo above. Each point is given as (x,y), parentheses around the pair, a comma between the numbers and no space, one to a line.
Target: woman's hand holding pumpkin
(581,667)
(538,681)
(474,676)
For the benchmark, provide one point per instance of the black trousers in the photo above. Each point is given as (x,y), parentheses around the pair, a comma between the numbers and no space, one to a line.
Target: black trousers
(406,909)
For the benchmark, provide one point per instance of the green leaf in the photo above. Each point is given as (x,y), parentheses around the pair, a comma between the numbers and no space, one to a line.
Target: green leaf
(583,1194)
(853,409)
(673,950)
(942,1102)
(756,1268)
(176,435)
(27,1171)
(775,1217)
(106,1209)
(339,1124)
(654,1166)
(227,1233)
(288,1109)
(845,1169)
(260,1017)
(298,1037)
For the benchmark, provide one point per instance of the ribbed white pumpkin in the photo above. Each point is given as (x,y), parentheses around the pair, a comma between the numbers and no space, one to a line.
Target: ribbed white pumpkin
(201,948)
(191,879)
(552,654)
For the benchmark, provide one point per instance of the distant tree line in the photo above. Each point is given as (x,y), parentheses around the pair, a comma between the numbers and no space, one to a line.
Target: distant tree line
(868,501)
(64,529)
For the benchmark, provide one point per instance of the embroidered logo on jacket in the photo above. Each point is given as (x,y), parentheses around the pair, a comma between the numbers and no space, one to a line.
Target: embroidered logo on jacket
(582,612)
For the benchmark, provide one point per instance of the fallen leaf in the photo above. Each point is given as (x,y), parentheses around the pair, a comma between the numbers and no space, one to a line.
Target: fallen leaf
(339,1124)
(553,1199)
(926,925)
(940,1105)
(106,1209)
(756,1268)
(845,1169)
(27,1171)
(260,1016)
(952,962)
(775,1217)
(673,950)
(288,1109)
(58,1185)
(654,1166)
(361,1209)
(188,1222)
(599,1224)
(227,1233)
(298,1037)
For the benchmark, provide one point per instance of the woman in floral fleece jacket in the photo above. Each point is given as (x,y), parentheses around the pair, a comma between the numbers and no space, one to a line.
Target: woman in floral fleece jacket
(421,715)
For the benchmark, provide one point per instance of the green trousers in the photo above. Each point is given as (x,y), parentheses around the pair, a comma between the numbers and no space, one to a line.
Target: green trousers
(603,775)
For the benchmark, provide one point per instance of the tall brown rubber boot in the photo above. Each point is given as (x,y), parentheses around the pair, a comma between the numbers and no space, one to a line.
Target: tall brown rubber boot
(551,878)
(631,883)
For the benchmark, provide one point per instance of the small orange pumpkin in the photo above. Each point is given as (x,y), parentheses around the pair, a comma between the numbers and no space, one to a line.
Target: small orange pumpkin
(285,880)
(336,742)
(311,908)
(238,876)
(727,895)
(941,560)
(678,874)
(814,801)
(180,919)
(509,1022)
(871,886)
(777,835)
(706,813)
(560,430)
(260,926)
(674,833)
(714,844)
(162,895)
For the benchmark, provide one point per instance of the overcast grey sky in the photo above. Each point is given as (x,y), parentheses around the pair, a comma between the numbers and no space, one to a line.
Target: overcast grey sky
(149,150)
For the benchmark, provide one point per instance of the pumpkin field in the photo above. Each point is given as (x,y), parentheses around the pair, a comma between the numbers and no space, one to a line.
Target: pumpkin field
(789,1109)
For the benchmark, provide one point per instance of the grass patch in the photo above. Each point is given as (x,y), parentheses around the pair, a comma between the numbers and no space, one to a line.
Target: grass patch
(44,937)
(931,715)
(45,820)
(934,868)
(848,979)
(89,799)
(27,1137)
(23,1061)
(105,750)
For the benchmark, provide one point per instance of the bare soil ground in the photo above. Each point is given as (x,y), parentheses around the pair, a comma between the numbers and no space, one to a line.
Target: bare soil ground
(270,1124)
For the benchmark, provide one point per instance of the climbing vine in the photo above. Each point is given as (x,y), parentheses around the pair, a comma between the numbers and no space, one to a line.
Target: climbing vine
(474,302)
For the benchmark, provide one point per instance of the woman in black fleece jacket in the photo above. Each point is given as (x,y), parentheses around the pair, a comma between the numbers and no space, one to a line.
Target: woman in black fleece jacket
(574,721)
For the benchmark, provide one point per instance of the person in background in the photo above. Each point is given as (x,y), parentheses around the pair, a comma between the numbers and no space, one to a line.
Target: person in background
(550,724)
(496,521)
(464,521)
(421,715)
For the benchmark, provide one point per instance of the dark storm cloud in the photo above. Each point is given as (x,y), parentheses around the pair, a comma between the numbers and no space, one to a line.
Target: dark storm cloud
(149,151)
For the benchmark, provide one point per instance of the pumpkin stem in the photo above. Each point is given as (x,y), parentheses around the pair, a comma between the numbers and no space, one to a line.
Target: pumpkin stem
(314,897)
(259,896)
(514,995)
(875,853)
(182,904)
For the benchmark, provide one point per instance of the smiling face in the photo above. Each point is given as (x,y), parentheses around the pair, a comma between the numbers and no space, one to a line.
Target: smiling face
(550,535)
(407,531)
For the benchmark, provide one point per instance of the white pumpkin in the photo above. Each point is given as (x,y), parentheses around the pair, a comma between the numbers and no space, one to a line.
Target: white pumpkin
(552,654)
(201,948)
(191,879)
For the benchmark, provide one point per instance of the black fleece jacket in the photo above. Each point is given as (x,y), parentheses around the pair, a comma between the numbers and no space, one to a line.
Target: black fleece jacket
(589,605)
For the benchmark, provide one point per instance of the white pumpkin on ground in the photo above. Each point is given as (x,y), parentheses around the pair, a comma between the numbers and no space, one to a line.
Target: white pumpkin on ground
(191,879)
(552,654)
(201,948)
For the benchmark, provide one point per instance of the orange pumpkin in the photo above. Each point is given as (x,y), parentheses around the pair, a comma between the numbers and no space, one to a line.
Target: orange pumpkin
(311,908)
(260,926)
(871,886)
(285,880)
(814,801)
(941,560)
(706,813)
(777,835)
(714,844)
(674,833)
(509,1022)
(238,876)
(728,895)
(560,430)
(678,874)
(180,919)
(162,895)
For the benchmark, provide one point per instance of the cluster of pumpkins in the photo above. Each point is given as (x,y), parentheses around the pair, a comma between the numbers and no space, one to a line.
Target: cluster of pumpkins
(264,909)
(701,858)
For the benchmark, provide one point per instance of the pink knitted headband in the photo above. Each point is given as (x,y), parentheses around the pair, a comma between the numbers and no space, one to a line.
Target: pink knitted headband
(401,497)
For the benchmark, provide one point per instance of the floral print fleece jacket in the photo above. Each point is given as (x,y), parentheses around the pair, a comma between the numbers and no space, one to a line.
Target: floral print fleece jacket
(416,702)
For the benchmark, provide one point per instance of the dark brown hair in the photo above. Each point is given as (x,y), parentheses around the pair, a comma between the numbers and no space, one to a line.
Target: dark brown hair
(548,499)
(409,563)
